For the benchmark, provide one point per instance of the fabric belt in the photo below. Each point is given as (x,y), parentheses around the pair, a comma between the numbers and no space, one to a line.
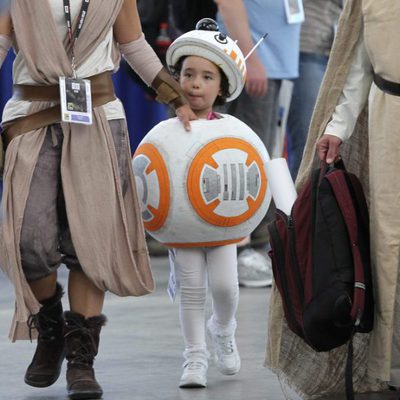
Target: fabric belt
(102,92)
(386,86)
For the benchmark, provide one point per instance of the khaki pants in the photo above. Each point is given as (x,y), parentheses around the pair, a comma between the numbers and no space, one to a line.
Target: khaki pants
(45,237)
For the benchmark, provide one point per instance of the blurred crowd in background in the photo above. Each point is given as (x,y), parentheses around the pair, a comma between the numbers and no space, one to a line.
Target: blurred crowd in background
(283,80)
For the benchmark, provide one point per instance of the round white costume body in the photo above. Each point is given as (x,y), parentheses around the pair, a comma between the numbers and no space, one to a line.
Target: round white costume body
(206,187)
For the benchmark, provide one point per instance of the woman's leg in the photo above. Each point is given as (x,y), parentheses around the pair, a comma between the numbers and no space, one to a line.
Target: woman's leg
(84,321)
(84,297)
(40,258)
(82,324)
(44,288)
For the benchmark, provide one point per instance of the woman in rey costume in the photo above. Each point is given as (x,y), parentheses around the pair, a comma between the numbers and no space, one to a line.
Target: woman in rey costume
(356,116)
(69,193)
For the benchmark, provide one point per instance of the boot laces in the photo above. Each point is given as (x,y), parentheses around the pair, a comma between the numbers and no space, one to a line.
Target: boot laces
(83,354)
(44,325)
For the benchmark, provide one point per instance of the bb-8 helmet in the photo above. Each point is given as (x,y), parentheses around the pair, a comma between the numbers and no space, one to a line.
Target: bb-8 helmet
(214,46)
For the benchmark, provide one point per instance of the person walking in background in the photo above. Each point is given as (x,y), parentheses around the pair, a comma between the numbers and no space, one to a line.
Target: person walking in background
(69,192)
(317,34)
(258,106)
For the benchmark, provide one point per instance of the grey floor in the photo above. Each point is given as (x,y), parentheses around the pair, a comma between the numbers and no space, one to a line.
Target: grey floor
(141,347)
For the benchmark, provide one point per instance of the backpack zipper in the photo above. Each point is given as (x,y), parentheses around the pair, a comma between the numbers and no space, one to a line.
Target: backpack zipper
(292,235)
(280,255)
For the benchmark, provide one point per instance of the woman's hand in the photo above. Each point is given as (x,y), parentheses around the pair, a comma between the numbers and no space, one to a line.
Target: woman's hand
(185,114)
(328,148)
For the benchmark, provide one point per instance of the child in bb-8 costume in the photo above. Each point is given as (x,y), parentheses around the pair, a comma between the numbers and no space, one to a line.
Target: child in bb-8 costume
(207,79)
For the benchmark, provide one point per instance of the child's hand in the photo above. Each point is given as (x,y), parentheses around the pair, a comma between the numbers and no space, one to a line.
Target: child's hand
(186,114)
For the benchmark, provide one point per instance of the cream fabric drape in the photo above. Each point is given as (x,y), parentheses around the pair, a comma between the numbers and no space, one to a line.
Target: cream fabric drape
(372,153)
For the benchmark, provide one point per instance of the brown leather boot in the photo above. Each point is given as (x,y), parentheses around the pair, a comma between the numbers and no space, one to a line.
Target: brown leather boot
(45,367)
(82,343)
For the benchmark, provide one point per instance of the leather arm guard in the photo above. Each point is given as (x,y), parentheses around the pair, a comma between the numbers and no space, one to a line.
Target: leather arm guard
(168,90)
(144,61)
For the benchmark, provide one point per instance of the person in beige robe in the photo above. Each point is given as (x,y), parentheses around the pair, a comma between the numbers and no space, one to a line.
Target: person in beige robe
(356,117)
(69,192)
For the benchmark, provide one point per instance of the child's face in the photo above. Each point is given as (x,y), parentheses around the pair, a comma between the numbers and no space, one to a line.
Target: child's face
(200,79)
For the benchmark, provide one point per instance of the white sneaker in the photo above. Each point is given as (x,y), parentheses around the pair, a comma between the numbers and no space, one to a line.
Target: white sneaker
(254,268)
(226,354)
(194,370)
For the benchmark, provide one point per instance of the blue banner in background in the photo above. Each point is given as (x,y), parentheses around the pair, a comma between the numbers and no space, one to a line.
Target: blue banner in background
(4,5)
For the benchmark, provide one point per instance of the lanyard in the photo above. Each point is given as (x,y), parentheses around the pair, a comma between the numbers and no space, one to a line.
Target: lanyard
(73,36)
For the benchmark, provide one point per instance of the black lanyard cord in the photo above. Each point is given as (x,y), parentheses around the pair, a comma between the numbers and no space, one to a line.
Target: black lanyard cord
(73,36)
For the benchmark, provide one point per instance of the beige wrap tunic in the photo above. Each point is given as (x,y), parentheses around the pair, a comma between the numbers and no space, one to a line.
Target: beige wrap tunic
(106,227)
(373,153)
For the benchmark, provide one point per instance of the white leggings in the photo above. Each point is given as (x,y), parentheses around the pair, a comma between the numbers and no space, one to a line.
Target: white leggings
(193,267)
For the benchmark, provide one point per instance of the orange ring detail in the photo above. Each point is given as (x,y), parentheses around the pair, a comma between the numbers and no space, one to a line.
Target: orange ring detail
(205,156)
(157,164)
(205,244)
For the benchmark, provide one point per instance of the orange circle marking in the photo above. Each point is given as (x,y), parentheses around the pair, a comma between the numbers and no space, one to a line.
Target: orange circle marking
(157,164)
(205,244)
(205,156)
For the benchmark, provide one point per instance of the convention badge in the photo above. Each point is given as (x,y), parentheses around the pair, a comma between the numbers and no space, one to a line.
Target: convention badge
(294,11)
(172,282)
(76,100)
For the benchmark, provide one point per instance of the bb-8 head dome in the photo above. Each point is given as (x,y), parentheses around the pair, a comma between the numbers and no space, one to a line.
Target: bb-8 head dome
(215,47)
(203,188)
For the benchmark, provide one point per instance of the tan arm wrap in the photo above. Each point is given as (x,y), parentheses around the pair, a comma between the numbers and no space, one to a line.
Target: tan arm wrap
(142,59)
(168,90)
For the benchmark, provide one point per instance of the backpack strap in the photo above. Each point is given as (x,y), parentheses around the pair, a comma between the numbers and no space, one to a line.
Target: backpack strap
(342,193)
(340,188)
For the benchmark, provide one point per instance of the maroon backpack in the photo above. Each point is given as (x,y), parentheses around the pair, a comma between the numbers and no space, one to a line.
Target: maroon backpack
(321,260)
